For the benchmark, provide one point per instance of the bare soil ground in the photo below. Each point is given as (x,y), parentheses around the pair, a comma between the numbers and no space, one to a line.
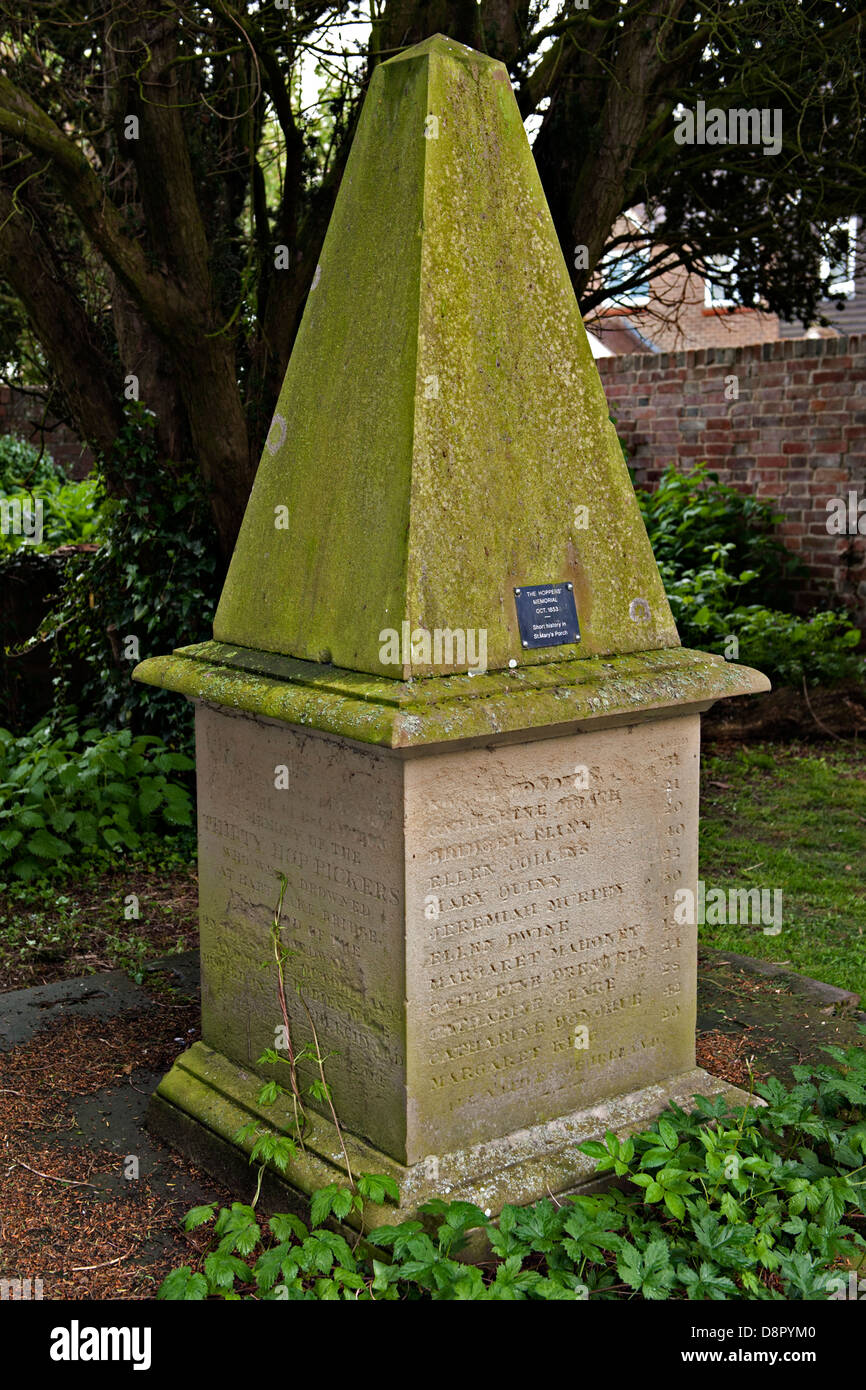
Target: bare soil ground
(88,1202)
(784,714)
(80,928)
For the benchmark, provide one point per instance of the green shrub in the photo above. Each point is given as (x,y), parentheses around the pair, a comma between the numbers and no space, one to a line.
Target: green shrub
(22,465)
(708,610)
(73,794)
(690,514)
(154,577)
(722,567)
(720,1204)
(71,514)
(819,650)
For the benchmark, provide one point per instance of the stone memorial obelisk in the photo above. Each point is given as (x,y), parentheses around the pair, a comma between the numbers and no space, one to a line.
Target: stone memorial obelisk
(446,700)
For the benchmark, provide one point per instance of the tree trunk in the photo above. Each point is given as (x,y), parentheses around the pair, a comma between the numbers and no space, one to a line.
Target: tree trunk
(88,378)
(208,381)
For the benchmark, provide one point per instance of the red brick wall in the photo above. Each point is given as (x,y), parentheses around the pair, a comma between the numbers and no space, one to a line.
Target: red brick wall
(795,434)
(22,415)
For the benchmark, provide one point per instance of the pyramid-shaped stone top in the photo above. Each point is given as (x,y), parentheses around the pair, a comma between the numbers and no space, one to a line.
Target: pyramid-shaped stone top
(442,438)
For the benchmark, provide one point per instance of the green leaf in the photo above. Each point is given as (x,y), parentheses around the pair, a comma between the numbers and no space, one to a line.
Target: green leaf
(222,1269)
(198,1216)
(630,1265)
(238,1229)
(593,1148)
(286,1225)
(668,1134)
(317,1254)
(378,1188)
(47,846)
(675,1205)
(269,1265)
(339,1248)
(342,1203)
(148,798)
(182,1285)
(322,1203)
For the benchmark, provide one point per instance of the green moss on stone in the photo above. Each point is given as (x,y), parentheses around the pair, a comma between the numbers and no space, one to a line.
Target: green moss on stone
(406,714)
(441,418)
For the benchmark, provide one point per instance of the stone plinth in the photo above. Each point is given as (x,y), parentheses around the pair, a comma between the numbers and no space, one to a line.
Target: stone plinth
(483,946)
(482,928)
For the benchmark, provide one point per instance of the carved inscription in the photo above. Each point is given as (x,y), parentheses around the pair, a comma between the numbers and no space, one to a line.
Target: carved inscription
(485,939)
(336,834)
(545,970)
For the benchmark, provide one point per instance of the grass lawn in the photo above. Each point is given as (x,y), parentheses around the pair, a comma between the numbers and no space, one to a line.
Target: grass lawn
(791,817)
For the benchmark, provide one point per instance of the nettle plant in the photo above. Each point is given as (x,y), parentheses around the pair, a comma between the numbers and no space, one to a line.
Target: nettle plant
(70,512)
(754,1202)
(68,793)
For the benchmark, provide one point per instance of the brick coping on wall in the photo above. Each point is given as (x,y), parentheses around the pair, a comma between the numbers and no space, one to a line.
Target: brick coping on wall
(784,349)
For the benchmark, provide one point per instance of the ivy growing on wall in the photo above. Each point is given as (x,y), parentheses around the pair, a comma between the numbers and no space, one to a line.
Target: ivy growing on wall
(152,586)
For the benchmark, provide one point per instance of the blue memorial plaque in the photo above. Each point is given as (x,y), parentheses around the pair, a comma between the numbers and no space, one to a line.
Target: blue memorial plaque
(546,615)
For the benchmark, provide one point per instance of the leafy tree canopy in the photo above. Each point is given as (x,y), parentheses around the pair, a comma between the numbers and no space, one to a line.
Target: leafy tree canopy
(166,179)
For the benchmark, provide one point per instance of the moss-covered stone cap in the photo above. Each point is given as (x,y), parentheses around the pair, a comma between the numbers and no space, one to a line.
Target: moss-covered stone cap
(442,437)
(406,714)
